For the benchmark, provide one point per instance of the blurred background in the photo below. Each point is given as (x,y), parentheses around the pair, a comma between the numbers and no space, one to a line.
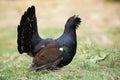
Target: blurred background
(98,34)
(100,18)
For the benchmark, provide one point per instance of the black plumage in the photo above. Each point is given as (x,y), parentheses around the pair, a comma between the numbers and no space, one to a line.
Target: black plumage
(31,43)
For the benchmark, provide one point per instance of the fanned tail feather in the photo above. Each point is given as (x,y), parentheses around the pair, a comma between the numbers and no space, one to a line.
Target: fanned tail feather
(26,30)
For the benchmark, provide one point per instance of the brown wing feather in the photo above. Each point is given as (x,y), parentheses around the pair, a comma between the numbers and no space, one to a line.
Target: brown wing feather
(48,58)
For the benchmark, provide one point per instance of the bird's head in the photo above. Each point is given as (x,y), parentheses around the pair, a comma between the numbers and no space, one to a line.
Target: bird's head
(73,22)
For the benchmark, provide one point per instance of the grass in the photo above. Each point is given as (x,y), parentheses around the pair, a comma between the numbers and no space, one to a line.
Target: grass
(14,66)
(113,0)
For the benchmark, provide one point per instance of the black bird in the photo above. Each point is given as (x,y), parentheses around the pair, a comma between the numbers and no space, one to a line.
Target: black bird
(46,53)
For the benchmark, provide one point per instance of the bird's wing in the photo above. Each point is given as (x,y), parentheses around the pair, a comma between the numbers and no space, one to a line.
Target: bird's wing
(28,36)
(50,66)
(48,58)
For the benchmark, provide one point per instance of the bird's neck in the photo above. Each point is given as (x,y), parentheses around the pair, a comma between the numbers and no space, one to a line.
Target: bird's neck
(70,32)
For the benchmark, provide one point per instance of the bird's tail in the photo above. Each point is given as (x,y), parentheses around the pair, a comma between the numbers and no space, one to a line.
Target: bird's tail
(27,30)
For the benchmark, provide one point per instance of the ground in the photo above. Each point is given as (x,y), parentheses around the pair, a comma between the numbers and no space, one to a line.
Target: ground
(98,38)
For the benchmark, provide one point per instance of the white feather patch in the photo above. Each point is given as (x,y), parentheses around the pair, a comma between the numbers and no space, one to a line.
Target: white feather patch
(43,46)
(61,49)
